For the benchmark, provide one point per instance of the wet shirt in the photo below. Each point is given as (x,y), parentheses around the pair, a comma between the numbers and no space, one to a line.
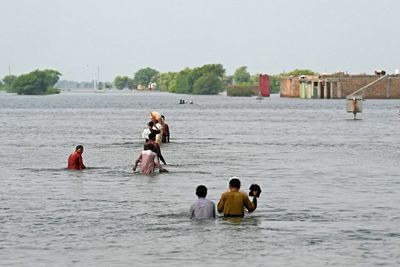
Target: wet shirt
(148,161)
(203,209)
(145,133)
(157,150)
(232,203)
(75,162)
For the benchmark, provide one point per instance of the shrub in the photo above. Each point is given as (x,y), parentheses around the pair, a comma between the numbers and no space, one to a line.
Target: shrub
(242,90)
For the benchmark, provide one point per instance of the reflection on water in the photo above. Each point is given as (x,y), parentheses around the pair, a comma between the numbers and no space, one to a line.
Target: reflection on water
(330,184)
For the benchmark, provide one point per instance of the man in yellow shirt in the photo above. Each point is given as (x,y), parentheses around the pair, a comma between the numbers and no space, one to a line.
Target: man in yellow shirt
(233,202)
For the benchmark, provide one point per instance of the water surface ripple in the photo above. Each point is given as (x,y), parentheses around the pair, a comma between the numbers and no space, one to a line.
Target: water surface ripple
(330,183)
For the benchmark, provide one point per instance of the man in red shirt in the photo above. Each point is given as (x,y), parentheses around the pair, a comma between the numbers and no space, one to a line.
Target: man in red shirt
(75,161)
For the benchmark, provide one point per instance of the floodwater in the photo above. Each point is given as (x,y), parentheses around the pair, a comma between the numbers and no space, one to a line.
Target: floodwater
(330,184)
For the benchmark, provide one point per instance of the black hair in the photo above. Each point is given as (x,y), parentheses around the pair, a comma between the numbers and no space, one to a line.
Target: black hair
(78,147)
(151,124)
(255,187)
(235,183)
(152,136)
(162,116)
(201,191)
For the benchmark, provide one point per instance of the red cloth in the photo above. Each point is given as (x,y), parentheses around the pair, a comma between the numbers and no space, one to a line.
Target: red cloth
(264,84)
(75,162)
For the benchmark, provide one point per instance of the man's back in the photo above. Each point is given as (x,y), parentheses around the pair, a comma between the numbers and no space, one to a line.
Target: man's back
(232,203)
(203,209)
(148,161)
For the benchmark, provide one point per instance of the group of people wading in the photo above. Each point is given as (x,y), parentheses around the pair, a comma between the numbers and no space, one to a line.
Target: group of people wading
(156,133)
(232,203)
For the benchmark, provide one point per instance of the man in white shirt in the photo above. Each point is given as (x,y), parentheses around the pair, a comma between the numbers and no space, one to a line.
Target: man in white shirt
(203,209)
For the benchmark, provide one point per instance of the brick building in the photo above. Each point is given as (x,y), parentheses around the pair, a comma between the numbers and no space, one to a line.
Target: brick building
(340,85)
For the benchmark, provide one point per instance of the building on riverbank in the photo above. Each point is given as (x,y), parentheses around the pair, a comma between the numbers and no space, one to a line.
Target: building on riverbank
(340,85)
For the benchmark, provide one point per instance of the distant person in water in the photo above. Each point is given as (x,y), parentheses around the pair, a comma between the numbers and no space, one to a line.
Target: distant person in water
(75,161)
(202,209)
(234,202)
(148,161)
(165,133)
(355,108)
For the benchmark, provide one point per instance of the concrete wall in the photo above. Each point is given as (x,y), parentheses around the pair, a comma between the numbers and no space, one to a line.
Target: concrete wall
(342,85)
(290,87)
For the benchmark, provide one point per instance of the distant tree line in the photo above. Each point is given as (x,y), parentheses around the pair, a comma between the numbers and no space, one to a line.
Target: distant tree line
(208,79)
(37,82)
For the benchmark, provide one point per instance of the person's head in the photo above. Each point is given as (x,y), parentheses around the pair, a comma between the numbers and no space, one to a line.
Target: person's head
(152,136)
(150,124)
(201,191)
(255,190)
(162,117)
(79,149)
(234,183)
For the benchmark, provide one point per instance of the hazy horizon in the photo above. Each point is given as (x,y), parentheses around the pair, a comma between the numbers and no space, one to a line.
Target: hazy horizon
(81,38)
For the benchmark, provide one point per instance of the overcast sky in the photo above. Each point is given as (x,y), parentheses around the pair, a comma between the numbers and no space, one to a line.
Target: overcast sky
(118,37)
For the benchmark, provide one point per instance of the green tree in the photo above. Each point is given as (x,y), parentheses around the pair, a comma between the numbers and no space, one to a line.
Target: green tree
(165,81)
(208,84)
(242,90)
(8,81)
(121,82)
(275,83)
(144,76)
(216,69)
(183,82)
(255,79)
(131,84)
(299,72)
(51,77)
(241,75)
(37,82)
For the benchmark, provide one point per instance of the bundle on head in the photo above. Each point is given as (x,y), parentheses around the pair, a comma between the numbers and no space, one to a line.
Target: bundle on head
(255,187)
